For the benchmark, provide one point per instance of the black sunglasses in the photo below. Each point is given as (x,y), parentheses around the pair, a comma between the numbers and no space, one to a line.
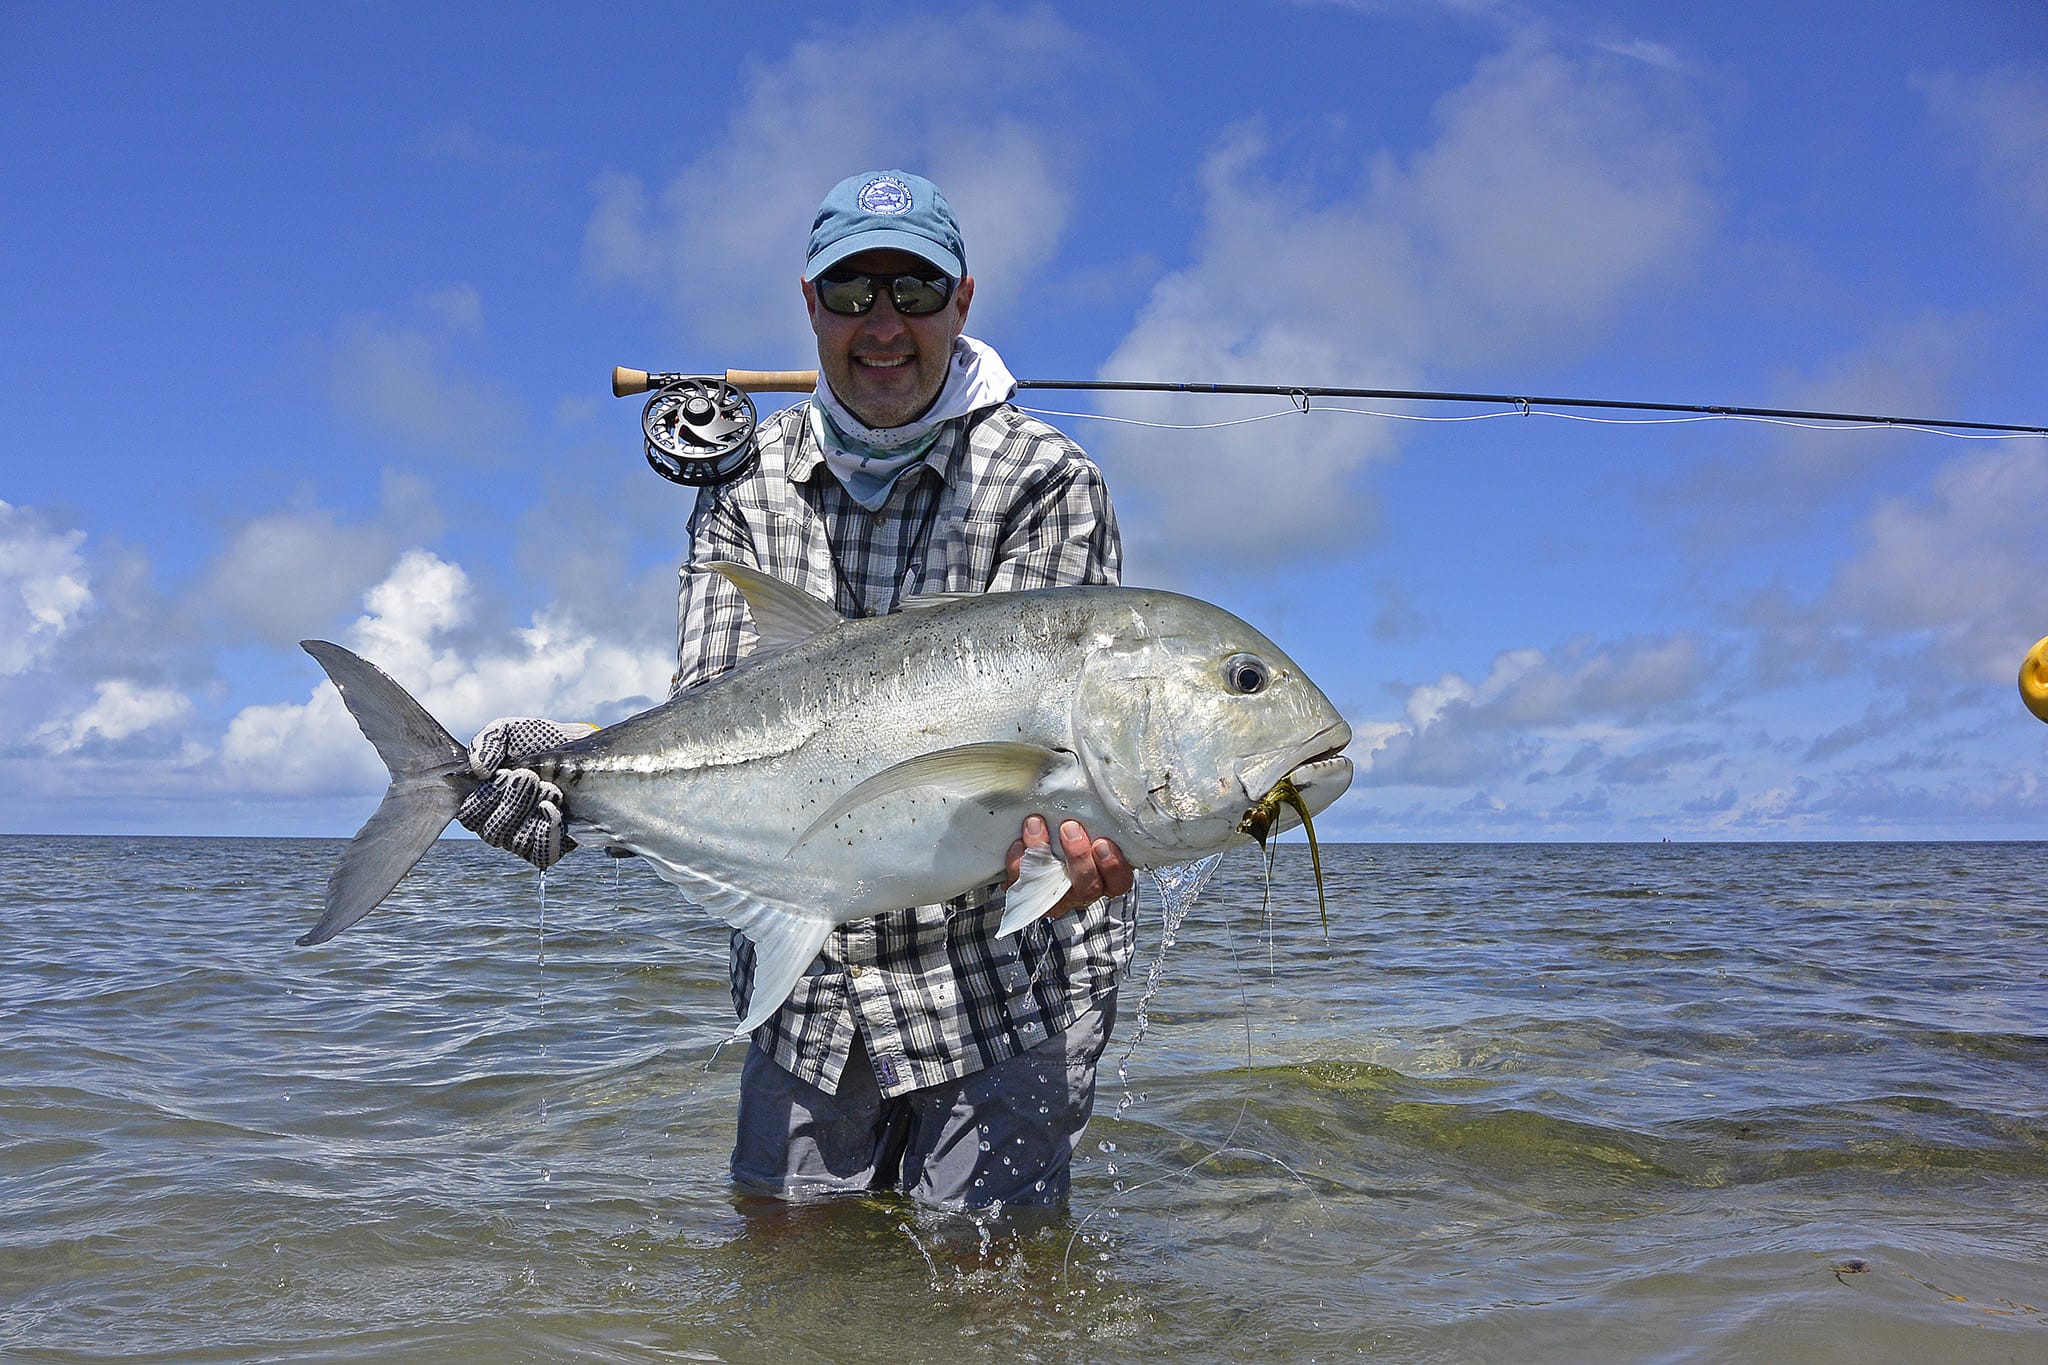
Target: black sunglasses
(851,293)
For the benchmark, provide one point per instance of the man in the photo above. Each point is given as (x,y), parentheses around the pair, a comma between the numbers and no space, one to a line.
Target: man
(920,1052)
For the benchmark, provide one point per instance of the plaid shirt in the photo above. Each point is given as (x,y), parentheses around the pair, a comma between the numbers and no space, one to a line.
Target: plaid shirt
(1001,502)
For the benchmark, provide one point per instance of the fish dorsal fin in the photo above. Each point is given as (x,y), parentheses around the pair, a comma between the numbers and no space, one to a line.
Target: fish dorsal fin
(990,772)
(784,615)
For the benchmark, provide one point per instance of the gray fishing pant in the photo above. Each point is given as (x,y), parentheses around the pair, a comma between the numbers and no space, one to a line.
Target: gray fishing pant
(1005,1133)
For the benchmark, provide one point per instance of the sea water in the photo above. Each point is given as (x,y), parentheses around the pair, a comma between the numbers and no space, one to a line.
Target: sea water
(1532,1102)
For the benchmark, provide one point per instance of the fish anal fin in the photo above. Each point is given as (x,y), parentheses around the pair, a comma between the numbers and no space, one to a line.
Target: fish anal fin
(784,945)
(990,772)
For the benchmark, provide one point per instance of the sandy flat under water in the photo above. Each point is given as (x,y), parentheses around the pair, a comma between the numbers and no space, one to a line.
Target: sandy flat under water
(1642,1102)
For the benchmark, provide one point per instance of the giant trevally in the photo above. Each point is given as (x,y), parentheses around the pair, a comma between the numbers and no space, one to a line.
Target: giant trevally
(853,767)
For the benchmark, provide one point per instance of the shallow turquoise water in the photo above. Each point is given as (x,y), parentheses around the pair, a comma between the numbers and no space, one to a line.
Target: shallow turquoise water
(1644,1102)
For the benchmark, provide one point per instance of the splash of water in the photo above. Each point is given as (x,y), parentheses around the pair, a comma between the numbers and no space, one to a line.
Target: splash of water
(1178,886)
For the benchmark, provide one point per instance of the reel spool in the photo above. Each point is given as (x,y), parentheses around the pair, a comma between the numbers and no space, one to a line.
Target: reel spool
(699,429)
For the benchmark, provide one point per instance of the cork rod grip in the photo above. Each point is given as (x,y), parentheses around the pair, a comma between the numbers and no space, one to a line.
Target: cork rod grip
(627,382)
(773,381)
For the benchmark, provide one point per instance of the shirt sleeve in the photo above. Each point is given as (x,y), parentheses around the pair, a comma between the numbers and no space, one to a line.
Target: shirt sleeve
(712,635)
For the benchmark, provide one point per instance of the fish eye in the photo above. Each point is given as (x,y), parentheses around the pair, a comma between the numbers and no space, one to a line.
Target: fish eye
(1245,674)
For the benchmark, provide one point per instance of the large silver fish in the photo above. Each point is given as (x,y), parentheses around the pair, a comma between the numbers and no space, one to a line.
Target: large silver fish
(853,767)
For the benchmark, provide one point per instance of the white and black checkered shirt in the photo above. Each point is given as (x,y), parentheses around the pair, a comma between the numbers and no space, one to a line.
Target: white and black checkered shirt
(1001,502)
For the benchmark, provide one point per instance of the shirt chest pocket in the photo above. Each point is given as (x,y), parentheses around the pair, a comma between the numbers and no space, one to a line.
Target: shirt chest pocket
(960,556)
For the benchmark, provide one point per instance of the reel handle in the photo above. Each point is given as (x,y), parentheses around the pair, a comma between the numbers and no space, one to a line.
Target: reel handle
(627,382)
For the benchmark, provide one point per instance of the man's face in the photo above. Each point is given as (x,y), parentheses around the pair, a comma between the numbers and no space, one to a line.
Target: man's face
(885,367)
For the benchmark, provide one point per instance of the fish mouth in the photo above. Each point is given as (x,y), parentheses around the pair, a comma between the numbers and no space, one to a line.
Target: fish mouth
(1319,782)
(1308,782)
(1318,773)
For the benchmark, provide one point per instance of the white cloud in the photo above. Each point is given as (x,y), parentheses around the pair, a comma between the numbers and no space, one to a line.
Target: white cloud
(119,709)
(289,572)
(44,587)
(1611,704)
(554,667)
(722,243)
(1556,194)
(1962,564)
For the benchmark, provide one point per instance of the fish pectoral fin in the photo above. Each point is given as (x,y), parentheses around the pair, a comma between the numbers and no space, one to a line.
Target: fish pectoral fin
(784,615)
(925,601)
(991,772)
(1042,881)
(784,944)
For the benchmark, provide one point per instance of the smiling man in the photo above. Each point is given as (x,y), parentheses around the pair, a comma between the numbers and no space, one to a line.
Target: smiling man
(921,1052)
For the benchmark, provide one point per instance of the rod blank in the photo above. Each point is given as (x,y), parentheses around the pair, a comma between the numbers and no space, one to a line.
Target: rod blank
(625,381)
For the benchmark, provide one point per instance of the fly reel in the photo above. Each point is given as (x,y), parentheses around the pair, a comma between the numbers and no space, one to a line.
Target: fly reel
(699,428)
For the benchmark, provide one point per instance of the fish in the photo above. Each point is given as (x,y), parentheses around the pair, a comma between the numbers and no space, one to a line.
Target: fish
(850,767)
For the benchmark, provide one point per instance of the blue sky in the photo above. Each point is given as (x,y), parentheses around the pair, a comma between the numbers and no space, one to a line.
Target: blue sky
(309,314)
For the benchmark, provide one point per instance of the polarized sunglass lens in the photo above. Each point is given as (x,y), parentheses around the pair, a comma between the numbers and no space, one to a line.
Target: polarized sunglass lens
(850,294)
(917,297)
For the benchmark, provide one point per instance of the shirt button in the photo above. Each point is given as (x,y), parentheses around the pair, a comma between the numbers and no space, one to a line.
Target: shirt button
(856,970)
(881,518)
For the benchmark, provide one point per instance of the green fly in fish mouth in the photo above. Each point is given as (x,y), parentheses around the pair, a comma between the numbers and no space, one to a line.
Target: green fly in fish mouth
(1260,820)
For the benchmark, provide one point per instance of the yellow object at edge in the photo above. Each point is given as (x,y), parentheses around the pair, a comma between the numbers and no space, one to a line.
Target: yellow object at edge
(2034,679)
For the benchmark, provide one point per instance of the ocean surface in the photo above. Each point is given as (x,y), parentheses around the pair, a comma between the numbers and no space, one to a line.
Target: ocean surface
(1527,1103)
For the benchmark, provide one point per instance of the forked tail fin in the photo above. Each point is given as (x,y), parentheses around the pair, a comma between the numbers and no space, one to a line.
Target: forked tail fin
(429,777)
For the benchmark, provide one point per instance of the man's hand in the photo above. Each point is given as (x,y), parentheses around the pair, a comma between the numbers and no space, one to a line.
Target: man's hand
(515,808)
(1096,867)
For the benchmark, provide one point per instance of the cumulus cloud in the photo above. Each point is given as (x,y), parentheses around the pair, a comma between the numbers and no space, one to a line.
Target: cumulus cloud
(553,667)
(119,710)
(44,586)
(722,241)
(1582,699)
(1960,566)
(1556,193)
(284,573)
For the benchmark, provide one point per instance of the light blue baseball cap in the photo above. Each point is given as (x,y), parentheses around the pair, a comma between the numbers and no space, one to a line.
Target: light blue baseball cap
(886,210)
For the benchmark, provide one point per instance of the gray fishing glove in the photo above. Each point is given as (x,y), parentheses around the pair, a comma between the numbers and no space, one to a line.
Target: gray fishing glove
(515,807)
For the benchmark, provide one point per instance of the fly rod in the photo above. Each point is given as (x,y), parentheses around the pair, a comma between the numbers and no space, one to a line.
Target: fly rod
(699,427)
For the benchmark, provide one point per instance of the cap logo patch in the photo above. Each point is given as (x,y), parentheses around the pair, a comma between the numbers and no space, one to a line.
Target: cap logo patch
(885,195)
